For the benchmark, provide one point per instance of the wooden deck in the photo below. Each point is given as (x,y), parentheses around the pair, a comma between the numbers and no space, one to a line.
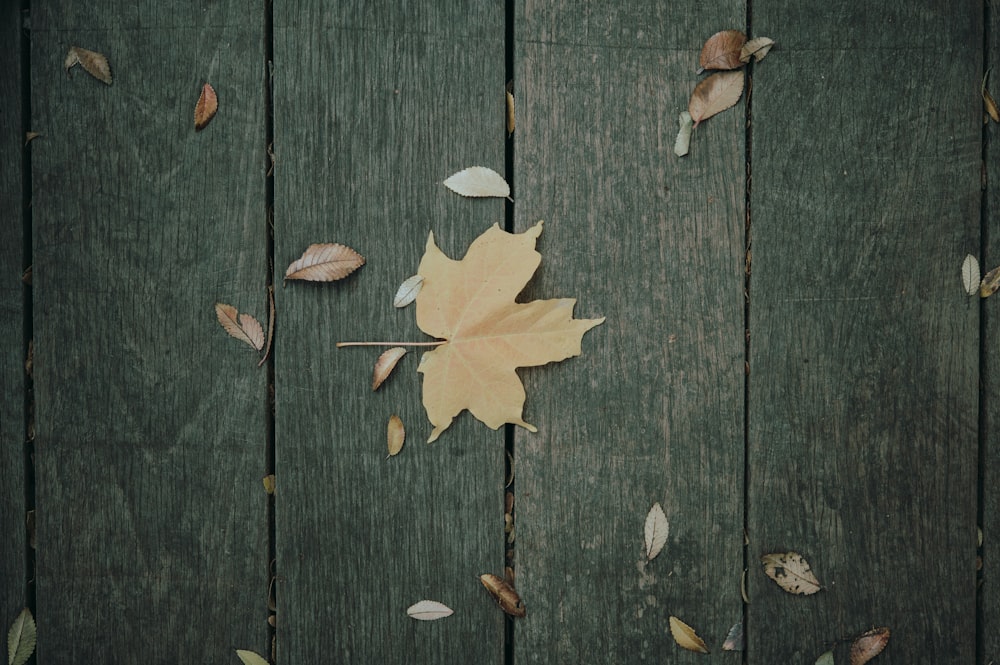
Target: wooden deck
(789,360)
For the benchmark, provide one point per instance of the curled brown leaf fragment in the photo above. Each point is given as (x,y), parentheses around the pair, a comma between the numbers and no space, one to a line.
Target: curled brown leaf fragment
(395,434)
(756,48)
(326,262)
(94,63)
(991,104)
(990,283)
(685,636)
(270,326)
(868,645)
(385,364)
(716,93)
(722,50)
(504,594)
(205,109)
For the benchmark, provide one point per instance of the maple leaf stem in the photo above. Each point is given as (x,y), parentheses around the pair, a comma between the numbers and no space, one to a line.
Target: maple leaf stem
(438,343)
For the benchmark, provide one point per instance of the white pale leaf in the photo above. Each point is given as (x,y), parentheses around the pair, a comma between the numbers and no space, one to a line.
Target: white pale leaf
(251,658)
(478,181)
(429,610)
(971,274)
(683,142)
(656,531)
(408,290)
(825,659)
(21,638)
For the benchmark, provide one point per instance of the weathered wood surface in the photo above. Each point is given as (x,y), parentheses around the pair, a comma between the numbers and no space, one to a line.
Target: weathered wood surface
(375,105)
(653,409)
(863,389)
(150,420)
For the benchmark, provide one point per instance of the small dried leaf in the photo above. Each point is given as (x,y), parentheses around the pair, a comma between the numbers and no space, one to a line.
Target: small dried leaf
(990,283)
(685,636)
(791,572)
(734,639)
(270,326)
(395,435)
(991,104)
(269,483)
(21,638)
(30,136)
(682,144)
(869,645)
(407,291)
(240,326)
(825,659)
(510,113)
(385,364)
(326,262)
(656,531)
(478,181)
(250,657)
(204,110)
(722,50)
(429,610)
(756,48)
(95,64)
(970,274)
(716,93)
(253,330)
(504,594)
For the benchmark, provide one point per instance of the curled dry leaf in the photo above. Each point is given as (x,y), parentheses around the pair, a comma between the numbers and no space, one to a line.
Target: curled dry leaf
(240,326)
(656,531)
(990,283)
(991,104)
(269,483)
(407,291)
(510,113)
(204,110)
(504,594)
(478,181)
(325,262)
(970,274)
(756,48)
(716,93)
(429,610)
(251,657)
(94,63)
(722,50)
(791,572)
(682,144)
(385,364)
(270,326)
(395,435)
(30,136)
(685,636)
(868,645)
(21,638)
(734,638)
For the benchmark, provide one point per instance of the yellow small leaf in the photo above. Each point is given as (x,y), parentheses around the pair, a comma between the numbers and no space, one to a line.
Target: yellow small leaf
(504,594)
(395,435)
(269,483)
(791,572)
(385,364)
(325,262)
(685,636)
(868,645)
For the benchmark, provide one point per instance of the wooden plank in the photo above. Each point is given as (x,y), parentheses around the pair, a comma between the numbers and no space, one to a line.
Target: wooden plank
(653,409)
(12,378)
(375,105)
(863,386)
(151,421)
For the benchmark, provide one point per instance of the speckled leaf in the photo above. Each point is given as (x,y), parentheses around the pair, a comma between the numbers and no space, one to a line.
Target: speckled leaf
(990,283)
(791,572)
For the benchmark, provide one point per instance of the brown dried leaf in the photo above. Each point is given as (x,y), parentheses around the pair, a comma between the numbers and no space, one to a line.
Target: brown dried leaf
(716,93)
(95,64)
(204,110)
(722,50)
(756,48)
(326,262)
(504,594)
(270,326)
(685,636)
(385,364)
(991,104)
(395,435)
(990,283)
(791,572)
(868,645)
(241,326)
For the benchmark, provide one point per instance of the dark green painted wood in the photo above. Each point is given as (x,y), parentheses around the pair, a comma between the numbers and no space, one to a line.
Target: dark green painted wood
(653,409)
(151,421)
(863,389)
(12,383)
(375,105)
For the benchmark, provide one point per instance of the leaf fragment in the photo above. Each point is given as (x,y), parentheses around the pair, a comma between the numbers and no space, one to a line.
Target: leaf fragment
(868,645)
(722,50)
(385,364)
(971,274)
(21,638)
(716,93)
(682,144)
(685,636)
(270,326)
(240,326)
(204,110)
(408,291)
(791,572)
(30,136)
(429,610)
(94,63)
(478,181)
(826,658)
(991,104)
(269,483)
(756,48)
(504,594)
(510,113)
(395,434)
(990,283)
(734,638)
(251,657)
(656,530)
(325,262)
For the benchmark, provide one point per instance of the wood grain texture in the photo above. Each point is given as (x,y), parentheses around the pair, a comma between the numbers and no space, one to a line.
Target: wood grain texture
(375,105)
(12,378)
(653,409)
(863,389)
(151,420)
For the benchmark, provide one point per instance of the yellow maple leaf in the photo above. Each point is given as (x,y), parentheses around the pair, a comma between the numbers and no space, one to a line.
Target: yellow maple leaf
(470,304)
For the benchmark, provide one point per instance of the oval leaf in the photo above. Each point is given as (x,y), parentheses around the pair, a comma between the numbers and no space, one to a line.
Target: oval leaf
(685,636)
(21,638)
(204,110)
(385,364)
(94,63)
(716,93)
(791,572)
(478,181)
(990,283)
(869,645)
(656,531)
(325,262)
(504,594)
(682,144)
(429,610)
(250,657)
(970,274)
(395,435)
(408,290)
(722,50)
